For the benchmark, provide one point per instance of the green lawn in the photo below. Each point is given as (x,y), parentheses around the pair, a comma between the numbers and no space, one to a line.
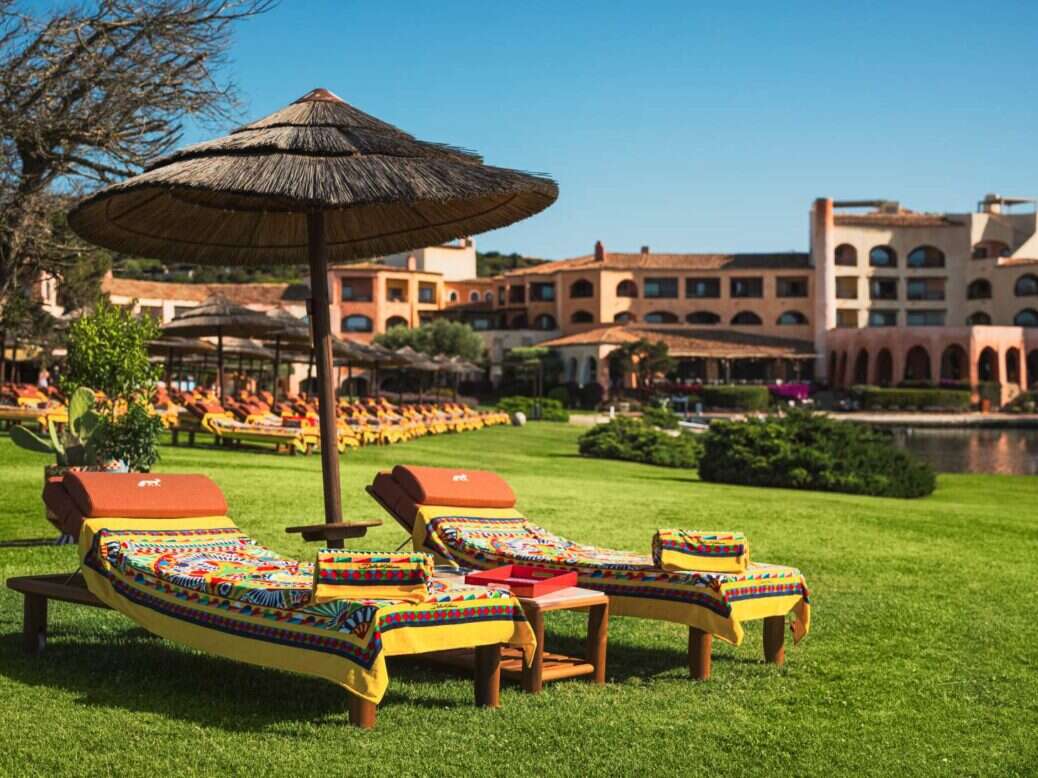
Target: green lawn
(923,657)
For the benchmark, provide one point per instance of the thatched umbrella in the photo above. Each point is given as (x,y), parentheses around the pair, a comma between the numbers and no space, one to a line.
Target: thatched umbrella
(168,346)
(317,180)
(216,317)
(293,332)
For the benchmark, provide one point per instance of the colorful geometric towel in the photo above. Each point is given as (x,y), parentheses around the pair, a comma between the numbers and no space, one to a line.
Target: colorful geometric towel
(712,552)
(371,575)
(205,584)
(718,603)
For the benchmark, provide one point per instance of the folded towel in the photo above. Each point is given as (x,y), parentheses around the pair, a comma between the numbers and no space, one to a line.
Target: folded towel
(371,575)
(710,552)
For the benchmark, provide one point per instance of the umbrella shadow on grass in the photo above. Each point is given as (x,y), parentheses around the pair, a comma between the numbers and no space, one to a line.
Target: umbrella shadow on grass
(141,673)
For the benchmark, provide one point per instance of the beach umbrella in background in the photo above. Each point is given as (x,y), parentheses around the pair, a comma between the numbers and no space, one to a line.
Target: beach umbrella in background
(314,182)
(169,346)
(215,317)
(293,332)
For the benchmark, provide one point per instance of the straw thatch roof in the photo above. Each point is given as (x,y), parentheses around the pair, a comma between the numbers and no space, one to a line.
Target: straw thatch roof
(243,198)
(686,342)
(218,315)
(245,348)
(163,346)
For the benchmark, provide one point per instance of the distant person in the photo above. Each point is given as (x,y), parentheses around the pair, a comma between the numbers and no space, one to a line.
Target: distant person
(43,379)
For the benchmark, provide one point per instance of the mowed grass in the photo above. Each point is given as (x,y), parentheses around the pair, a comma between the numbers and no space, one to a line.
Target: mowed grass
(922,660)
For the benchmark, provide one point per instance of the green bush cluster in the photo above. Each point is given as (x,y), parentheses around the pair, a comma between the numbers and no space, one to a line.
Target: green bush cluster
(635,441)
(1025,402)
(551,410)
(805,450)
(658,416)
(560,394)
(737,398)
(874,398)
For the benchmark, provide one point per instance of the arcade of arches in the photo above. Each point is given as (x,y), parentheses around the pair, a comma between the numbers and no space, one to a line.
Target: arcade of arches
(1013,363)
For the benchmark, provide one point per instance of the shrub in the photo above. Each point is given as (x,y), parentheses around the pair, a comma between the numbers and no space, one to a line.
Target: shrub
(560,394)
(551,410)
(635,441)
(875,399)
(1025,402)
(805,450)
(591,395)
(739,398)
(658,416)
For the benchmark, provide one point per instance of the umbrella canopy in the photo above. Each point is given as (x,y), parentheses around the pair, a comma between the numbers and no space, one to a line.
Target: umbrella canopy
(164,346)
(246,349)
(317,180)
(217,316)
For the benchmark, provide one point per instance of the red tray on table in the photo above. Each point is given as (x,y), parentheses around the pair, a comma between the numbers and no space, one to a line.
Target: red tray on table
(523,580)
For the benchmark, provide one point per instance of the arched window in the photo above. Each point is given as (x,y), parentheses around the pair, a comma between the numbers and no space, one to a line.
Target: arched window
(627,289)
(582,317)
(884,368)
(1028,317)
(355,323)
(582,288)
(861,367)
(979,289)
(488,297)
(520,322)
(792,317)
(990,249)
(660,317)
(573,376)
(987,365)
(978,318)
(746,318)
(846,255)
(917,364)
(954,363)
(396,321)
(545,322)
(1026,286)
(591,370)
(1013,365)
(883,256)
(473,296)
(703,317)
(453,297)
(926,256)
(624,317)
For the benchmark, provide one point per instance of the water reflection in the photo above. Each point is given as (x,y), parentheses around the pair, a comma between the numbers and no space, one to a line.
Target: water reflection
(1005,451)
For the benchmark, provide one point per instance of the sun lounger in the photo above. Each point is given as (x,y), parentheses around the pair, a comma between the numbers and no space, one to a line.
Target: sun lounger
(161,550)
(468,518)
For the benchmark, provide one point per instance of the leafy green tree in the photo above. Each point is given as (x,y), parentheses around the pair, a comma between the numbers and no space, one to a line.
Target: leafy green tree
(451,338)
(645,358)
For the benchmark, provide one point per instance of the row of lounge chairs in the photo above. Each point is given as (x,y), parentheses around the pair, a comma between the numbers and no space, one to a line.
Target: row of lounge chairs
(31,405)
(162,550)
(292,423)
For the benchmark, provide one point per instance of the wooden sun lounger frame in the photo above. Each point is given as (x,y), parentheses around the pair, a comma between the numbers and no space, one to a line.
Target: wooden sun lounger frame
(700,642)
(38,590)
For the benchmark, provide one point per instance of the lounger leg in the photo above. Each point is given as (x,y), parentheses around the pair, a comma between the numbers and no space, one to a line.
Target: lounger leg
(488,676)
(362,712)
(532,675)
(700,644)
(774,640)
(597,639)
(34,624)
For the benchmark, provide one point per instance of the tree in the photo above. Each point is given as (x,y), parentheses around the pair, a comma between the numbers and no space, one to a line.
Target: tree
(451,338)
(92,92)
(646,359)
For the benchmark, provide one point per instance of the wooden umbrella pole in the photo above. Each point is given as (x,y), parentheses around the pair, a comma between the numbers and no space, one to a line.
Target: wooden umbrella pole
(322,329)
(219,361)
(169,368)
(277,367)
(349,381)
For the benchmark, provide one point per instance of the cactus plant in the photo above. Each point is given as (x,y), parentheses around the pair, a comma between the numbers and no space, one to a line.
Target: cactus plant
(75,445)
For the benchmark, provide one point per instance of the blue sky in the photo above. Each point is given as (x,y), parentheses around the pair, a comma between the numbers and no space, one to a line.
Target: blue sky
(687,126)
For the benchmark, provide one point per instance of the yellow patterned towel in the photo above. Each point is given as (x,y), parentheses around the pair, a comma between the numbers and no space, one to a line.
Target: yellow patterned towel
(371,575)
(709,552)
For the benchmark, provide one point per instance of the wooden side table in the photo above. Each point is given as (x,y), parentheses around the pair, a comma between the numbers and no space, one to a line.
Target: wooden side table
(548,666)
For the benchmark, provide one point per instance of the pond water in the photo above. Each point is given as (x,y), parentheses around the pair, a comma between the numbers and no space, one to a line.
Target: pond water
(973,450)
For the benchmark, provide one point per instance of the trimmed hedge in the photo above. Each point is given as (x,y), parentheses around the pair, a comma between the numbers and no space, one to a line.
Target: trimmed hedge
(561,394)
(657,416)
(805,450)
(737,398)
(635,441)
(874,398)
(551,410)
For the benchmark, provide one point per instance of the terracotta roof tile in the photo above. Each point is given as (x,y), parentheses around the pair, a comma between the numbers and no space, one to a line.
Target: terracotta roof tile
(899,219)
(651,261)
(684,341)
(242,294)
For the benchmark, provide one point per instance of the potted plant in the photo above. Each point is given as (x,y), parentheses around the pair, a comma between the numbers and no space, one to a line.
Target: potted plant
(73,446)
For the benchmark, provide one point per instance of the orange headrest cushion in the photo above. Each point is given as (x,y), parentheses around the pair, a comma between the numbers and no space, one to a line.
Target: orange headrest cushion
(455,487)
(144,495)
